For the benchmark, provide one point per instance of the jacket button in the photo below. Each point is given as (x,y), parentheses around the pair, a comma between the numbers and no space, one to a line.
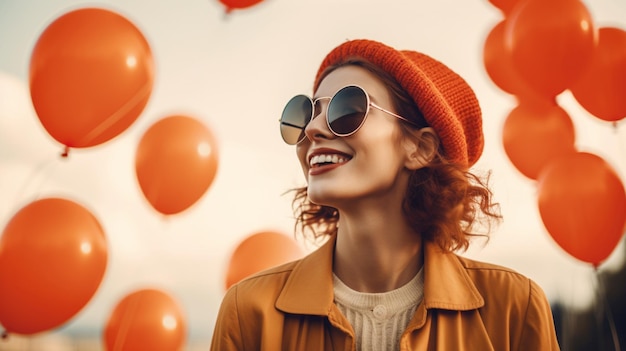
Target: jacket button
(380,311)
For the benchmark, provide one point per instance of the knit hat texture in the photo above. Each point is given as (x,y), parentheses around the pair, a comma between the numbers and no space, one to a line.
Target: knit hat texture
(447,102)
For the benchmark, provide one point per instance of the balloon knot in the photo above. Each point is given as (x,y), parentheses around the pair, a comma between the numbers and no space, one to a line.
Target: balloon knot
(5,335)
(66,152)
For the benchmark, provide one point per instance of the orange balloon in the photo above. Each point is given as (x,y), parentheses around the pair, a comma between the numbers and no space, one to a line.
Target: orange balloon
(535,134)
(260,251)
(551,43)
(238,4)
(146,319)
(91,74)
(601,90)
(582,203)
(53,255)
(176,162)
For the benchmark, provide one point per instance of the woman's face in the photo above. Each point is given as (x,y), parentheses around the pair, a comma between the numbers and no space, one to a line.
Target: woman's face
(369,164)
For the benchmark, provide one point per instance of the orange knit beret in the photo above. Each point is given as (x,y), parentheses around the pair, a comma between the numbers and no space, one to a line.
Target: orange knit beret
(447,102)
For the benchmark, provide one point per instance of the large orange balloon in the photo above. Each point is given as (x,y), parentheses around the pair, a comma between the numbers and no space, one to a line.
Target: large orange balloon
(551,43)
(602,88)
(176,162)
(53,255)
(535,134)
(91,74)
(147,319)
(260,251)
(582,203)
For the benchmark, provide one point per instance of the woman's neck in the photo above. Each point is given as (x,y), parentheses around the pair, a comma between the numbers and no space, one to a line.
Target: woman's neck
(376,252)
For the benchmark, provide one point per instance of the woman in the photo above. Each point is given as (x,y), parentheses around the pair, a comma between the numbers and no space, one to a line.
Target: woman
(386,145)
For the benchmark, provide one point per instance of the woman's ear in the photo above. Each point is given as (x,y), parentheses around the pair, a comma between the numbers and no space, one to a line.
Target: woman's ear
(421,147)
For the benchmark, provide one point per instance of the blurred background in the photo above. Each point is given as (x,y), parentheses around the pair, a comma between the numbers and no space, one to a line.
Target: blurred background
(233,70)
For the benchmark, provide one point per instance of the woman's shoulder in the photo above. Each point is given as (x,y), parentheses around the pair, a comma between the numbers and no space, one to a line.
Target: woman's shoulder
(486,267)
(497,281)
(493,274)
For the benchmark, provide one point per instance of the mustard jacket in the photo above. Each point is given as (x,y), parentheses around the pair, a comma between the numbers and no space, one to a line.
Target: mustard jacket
(467,305)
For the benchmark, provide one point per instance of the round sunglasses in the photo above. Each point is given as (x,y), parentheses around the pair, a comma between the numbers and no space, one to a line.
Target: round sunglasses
(345,113)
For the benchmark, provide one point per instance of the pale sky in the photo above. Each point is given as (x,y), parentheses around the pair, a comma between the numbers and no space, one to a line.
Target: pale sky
(235,73)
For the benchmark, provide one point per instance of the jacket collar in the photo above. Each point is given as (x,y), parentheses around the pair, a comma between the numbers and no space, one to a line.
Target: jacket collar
(309,288)
(447,284)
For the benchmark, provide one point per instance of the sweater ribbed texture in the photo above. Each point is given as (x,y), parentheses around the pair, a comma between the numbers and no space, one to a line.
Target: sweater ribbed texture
(379,319)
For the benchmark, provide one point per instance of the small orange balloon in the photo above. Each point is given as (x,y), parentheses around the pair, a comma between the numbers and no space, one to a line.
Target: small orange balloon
(147,319)
(53,255)
(260,251)
(582,204)
(91,74)
(176,162)
(535,134)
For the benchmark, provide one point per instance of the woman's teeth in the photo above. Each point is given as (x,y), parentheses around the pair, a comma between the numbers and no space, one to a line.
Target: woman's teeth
(321,159)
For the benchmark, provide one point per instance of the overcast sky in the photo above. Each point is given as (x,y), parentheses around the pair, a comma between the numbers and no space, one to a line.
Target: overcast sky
(235,73)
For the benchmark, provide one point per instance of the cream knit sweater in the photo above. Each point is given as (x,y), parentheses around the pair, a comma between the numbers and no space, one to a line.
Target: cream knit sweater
(378,319)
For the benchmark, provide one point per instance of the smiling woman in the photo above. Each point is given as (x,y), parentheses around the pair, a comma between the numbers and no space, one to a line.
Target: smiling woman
(390,188)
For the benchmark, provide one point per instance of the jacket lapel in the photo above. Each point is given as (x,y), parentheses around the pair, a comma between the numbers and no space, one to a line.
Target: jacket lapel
(453,322)
(309,288)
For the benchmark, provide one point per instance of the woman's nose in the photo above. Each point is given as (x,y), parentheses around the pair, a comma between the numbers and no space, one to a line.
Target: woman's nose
(318,128)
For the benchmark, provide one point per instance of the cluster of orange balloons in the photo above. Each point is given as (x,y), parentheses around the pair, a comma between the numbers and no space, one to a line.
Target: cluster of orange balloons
(539,50)
(91,75)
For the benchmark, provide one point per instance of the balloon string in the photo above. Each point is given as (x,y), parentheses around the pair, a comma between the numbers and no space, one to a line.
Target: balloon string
(605,306)
(115,117)
(38,170)
(619,127)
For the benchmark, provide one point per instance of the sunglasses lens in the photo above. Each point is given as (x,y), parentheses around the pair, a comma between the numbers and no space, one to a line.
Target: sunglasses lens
(347,110)
(295,117)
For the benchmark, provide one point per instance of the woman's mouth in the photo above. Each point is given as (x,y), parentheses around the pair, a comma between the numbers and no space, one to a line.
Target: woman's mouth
(324,162)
